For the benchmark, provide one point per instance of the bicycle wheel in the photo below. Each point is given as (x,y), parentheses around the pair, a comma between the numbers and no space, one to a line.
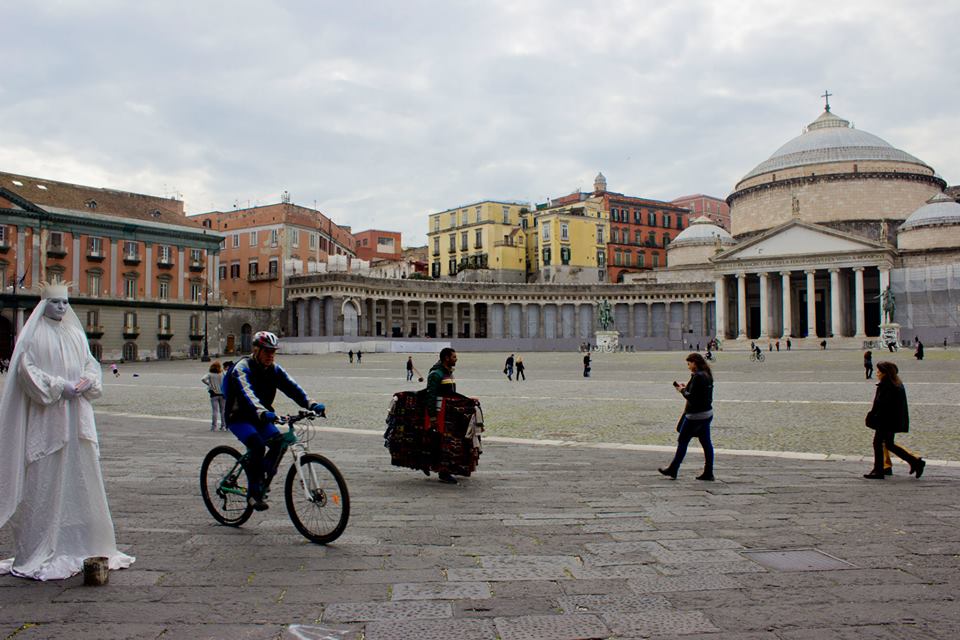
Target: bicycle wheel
(760,357)
(321,512)
(223,484)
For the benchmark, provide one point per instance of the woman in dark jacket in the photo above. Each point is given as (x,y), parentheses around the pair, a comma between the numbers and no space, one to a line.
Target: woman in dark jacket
(888,417)
(697,416)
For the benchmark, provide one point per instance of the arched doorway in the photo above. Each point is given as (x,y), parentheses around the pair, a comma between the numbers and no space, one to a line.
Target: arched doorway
(246,339)
(130,352)
(351,318)
(163,351)
(6,338)
(97,350)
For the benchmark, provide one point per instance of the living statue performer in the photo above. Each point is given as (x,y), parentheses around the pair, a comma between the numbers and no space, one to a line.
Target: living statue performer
(51,489)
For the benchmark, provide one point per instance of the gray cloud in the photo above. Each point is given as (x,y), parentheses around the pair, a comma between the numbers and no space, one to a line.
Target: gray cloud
(384,112)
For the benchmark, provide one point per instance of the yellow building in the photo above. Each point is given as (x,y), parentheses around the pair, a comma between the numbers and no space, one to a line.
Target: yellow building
(569,242)
(479,242)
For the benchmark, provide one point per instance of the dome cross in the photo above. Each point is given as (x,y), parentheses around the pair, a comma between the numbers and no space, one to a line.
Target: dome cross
(826,96)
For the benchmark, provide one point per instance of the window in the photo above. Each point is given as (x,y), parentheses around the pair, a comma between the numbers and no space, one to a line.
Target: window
(130,287)
(295,238)
(163,288)
(273,267)
(601,258)
(235,270)
(464,217)
(163,254)
(506,215)
(163,323)
(436,245)
(636,216)
(479,214)
(252,268)
(463,241)
(130,321)
(564,255)
(651,239)
(666,239)
(564,231)
(55,241)
(93,284)
(614,236)
(651,218)
(274,237)
(130,251)
(666,220)
(435,269)
(637,237)
(452,221)
(679,222)
(478,239)
(253,238)
(640,259)
(130,351)
(93,319)
(546,257)
(600,239)
(3,275)
(545,232)
(313,241)
(436,223)
(95,247)
(222,272)
(195,324)
(617,258)
(523,223)
(3,235)
(196,291)
(453,242)
(236,240)
(196,256)
(656,260)
(452,266)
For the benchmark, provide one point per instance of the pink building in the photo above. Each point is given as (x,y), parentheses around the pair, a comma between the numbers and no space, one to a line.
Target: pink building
(701,205)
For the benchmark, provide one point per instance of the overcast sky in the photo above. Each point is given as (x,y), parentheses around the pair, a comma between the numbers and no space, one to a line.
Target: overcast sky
(379,113)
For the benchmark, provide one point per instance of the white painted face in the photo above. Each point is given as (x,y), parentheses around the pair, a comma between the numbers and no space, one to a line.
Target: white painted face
(56,308)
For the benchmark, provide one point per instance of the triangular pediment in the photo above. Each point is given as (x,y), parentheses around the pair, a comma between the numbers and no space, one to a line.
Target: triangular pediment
(798,238)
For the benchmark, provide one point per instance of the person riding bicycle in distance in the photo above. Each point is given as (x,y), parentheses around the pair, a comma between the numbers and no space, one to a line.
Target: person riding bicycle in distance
(250,389)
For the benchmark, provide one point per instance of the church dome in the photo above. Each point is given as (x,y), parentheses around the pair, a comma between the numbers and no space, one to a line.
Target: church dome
(702,230)
(940,209)
(830,138)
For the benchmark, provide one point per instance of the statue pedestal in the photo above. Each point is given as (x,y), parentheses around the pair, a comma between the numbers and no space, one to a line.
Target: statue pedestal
(890,332)
(607,340)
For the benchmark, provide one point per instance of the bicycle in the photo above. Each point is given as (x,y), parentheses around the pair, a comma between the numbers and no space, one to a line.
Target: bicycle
(318,505)
(757,356)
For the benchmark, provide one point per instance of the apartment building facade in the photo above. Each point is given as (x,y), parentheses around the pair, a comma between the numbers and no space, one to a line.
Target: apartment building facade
(699,205)
(142,271)
(568,243)
(374,245)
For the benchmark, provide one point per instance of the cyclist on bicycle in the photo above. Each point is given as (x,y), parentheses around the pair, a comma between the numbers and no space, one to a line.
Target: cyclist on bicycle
(757,351)
(250,389)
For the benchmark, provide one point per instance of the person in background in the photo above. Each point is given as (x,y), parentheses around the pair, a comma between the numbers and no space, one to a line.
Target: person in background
(889,416)
(359,356)
(508,367)
(697,417)
(350,355)
(520,369)
(868,363)
(918,354)
(586,365)
(214,382)
(115,370)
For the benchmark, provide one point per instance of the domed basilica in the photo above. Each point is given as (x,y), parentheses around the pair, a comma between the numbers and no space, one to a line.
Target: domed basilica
(837,234)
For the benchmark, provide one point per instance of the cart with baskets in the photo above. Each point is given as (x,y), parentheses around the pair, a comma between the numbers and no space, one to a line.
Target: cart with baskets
(453,446)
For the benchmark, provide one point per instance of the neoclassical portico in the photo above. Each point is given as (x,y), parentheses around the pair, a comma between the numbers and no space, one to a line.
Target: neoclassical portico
(330,305)
(801,281)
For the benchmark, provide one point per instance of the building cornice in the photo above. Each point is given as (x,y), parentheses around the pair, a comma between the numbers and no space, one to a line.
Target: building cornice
(837,177)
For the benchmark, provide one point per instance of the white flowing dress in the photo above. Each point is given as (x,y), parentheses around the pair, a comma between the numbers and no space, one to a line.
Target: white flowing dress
(52,488)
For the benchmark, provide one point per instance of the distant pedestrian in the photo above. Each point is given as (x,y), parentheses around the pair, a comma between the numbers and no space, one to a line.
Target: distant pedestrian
(789,344)
(520,369)
(696,418)
(868,363)
(115,370)
(409,368)
(918,354)
(508,367)
(698,346)
(823,345)
(778,346)
(350,355)
(944,344)
(889,416)
(769,346)
(214,382)
(586,365)
(359,356)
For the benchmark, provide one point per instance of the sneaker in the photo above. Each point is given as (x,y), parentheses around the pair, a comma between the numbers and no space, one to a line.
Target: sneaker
(874,475)
(446,478)
(668,472)
(257,504)
(918,468)
(708,477)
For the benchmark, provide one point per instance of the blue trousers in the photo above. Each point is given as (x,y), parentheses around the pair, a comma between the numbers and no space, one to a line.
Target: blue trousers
(690,429)
(260,460)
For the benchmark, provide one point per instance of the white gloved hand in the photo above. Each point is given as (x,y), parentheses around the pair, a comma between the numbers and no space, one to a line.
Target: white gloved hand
(69,391)
(83,384)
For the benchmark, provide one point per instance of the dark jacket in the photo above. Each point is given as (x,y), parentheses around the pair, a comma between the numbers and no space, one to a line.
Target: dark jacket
(889,412)
(250,389)
(699,393)
(440,382)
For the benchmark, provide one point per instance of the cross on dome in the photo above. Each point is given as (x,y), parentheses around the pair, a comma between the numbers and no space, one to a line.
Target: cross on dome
(826,96)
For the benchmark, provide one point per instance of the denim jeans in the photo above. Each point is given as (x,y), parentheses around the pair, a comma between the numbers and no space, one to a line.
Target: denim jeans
(690,429)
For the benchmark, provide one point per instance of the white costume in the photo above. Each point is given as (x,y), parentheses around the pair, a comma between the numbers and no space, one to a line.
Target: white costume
(51,490)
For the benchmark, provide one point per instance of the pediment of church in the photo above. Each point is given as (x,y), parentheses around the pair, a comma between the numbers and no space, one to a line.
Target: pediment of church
(798,238)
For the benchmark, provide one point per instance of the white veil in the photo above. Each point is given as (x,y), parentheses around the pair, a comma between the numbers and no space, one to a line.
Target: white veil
(13,412)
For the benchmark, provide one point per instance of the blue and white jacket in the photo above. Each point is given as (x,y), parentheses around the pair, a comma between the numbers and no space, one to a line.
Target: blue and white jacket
(250,389)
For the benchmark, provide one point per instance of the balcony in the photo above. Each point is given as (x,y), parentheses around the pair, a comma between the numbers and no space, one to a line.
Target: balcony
(196,336)
(56,251)
(4,246)
(436,252)
(197,265)
(263,277)
(131,258)
(131,333)
(164,333)
(95,255)
(164,262)
(94,332)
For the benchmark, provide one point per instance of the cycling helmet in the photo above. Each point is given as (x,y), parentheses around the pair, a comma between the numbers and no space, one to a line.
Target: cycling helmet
(266,340)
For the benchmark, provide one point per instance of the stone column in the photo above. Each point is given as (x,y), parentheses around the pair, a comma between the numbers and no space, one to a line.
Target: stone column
(301,318)
(542,321)
(631,320)
(858,304)
(388,317)
(884,283)
(720,306)
(811,304)
(835,320)
(764,306)
(741,306)
(785,302)
(524,320)
(649,319)
(314,316)
(576,319)
(685,320)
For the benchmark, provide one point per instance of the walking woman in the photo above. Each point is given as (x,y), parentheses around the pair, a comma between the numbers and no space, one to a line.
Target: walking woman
(214,382)
(888,417)
(868,363)
(697,416)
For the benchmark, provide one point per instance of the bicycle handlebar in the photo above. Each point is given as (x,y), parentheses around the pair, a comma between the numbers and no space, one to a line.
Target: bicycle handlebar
(302,415)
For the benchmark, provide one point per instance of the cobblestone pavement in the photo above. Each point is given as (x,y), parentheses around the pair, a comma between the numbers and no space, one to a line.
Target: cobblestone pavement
(547,540)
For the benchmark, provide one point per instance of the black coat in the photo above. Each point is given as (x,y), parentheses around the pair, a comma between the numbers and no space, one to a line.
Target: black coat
(889,412)
(699,393)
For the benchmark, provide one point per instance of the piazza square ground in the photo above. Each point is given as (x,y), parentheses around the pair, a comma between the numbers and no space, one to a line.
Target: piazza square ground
(565,532)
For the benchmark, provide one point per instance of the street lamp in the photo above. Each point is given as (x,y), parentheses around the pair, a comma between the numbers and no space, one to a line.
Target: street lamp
(206,299)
